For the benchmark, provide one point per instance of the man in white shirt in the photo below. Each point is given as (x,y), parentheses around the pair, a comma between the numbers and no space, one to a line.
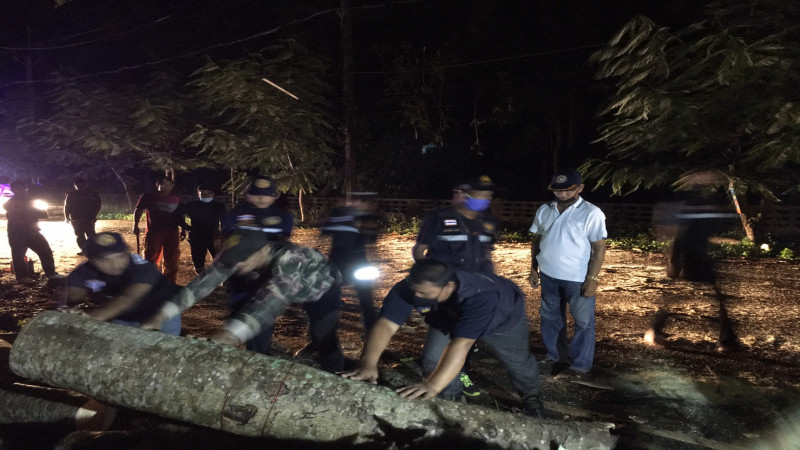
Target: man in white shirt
(568,247)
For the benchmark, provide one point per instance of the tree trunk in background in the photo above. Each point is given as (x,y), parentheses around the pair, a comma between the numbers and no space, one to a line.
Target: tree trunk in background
(250,394)
(347,94)
(124,184)
(749,220)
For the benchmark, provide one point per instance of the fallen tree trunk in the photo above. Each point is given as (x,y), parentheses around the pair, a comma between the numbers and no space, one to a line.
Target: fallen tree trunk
(30,406)
(249,394)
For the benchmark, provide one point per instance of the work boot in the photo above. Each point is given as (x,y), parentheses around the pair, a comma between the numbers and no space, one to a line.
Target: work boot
(533,406)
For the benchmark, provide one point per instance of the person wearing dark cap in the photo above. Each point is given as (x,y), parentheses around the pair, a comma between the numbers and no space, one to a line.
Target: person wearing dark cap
(162,236)
(567,251)
(352,227)
(205,215)
(81,207)
(460,308)
(24,234)
(127,288)
(462,235)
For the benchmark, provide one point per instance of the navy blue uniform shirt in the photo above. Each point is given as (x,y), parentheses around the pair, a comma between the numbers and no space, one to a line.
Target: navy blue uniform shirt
(460,242)
(483,304)
(103,287)
(276,222)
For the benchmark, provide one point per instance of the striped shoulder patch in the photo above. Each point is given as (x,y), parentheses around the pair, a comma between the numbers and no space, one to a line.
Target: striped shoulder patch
(450,222)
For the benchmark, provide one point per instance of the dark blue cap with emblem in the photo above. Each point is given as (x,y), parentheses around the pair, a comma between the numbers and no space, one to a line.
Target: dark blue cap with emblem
(565,180)
(104,243)
(262,185)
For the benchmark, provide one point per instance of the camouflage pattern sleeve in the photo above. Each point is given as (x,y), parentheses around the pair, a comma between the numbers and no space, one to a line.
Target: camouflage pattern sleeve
(299,275)
(198,289)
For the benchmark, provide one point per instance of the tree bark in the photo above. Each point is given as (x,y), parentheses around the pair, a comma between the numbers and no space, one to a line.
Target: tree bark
(348,99)
(250,394)
(34,407)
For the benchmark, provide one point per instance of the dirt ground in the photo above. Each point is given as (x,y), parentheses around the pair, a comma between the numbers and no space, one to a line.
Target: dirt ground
(685,394)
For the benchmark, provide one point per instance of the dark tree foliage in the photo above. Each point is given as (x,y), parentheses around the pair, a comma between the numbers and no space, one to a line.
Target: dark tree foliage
(720,94)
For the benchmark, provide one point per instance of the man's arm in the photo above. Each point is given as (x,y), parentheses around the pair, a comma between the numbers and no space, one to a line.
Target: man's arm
(67,207)
(123,302)
(451,362)
(137,213)
(97,203)
(76,295)
(533,278)
(589,288)
(377,341)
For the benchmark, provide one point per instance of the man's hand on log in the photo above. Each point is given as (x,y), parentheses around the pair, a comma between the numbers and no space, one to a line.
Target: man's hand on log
(419,390)
(225,337)
(72,310)
(369,374)
(155,322)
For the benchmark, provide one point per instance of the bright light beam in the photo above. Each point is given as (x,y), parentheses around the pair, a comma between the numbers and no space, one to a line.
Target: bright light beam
(366,273)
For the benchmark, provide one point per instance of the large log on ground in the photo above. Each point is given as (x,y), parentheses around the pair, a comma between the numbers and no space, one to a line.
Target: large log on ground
(249,394)
(31,405)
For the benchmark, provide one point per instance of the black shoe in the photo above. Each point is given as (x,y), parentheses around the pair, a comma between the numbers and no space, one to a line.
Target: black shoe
(533,406)
(470,390)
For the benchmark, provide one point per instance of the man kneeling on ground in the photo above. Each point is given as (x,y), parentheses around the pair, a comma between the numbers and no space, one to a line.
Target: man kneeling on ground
(460,308)
(128,288)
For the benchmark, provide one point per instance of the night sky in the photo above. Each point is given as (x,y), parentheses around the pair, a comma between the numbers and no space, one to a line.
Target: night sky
(522,63)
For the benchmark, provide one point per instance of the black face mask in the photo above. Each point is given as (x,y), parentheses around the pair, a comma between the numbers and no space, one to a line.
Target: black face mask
(425,305)
(568,201)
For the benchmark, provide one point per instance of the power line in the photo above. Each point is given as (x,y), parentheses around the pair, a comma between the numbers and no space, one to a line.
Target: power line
(137,28)
(486,61)
(212,47)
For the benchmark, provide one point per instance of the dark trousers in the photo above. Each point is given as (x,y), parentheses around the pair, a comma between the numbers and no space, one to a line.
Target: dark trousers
(20,243)
(200,245)
(166,240)
(323,317)
(509,345)
(84,229)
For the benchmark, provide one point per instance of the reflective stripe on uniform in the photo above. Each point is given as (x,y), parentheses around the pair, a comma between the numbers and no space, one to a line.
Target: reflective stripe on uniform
(459,237)
(265,230)
(340,228)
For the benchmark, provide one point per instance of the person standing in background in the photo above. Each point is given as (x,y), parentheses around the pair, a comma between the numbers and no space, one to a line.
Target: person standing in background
(205,215)
(80,210)
(162,226)
(567,251)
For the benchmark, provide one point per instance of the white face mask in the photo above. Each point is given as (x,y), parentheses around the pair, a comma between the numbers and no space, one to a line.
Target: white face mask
(206,200)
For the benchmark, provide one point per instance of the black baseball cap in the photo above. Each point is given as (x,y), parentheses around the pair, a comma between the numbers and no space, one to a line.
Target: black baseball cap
(104,243)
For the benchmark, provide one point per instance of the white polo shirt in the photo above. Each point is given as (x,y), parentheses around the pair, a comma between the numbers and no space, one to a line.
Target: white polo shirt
(565,247)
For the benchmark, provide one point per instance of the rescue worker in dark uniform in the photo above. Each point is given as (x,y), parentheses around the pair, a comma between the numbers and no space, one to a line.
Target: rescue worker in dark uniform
(80,209)
(462,235)
(162,238)
(687,225)
(459,307)
(205,215)
(352,227)
(24,234)
(267,273)
(128,288)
